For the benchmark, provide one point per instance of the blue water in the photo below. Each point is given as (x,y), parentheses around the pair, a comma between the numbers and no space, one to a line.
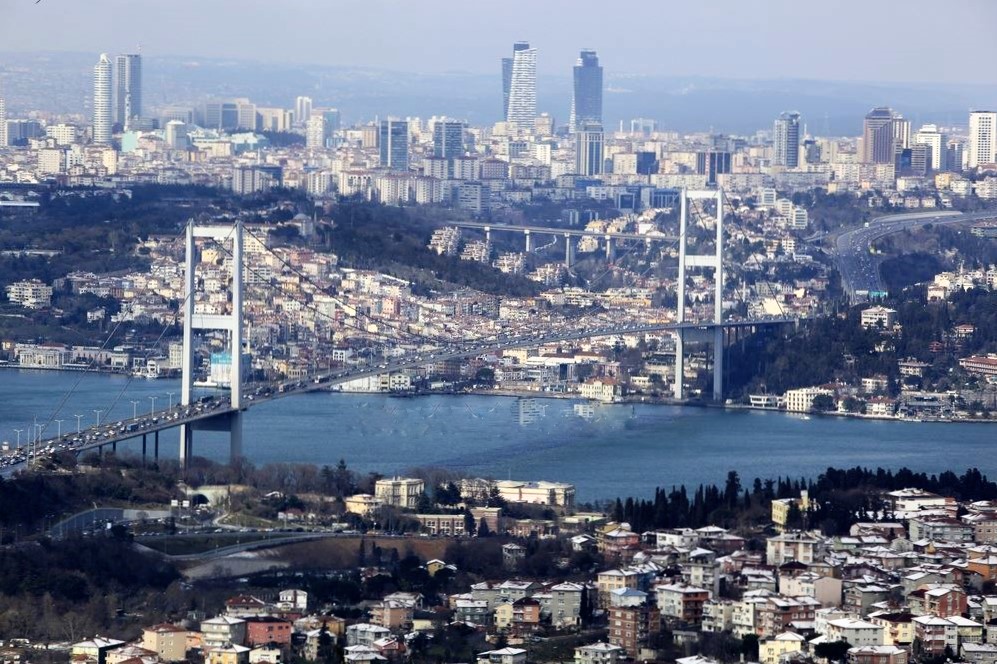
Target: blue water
(621,450)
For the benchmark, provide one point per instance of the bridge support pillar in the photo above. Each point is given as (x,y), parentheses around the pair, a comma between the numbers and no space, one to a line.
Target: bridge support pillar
(610,253)
(569,251)
(488,235)
(144,436)
(677,391)
(529,242)
(718,364)
(155,448)
(235,437)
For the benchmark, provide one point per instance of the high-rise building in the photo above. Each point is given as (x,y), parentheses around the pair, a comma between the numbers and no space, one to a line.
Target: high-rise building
(102,101)
(786,135)
(128,88)
(393,142)
(237,113)
(878,136)
(333,120)
(936,141)
(588,149)
(3,123)
(954,154)
(315,132)
(586,103)
(712,163)
(448,138)
(982,148)
(643,126)
(302,110)
(521,104)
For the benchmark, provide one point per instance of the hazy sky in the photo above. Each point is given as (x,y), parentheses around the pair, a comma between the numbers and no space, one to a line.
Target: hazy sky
(896,40)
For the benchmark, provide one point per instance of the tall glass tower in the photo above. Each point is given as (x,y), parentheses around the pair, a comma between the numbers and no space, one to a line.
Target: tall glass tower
(394,144)
(787,140)
(102,101)
(586,103)
(521,89)
(128,88)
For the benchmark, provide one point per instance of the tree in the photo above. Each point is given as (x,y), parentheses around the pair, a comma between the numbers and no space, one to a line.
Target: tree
(483,529)
(833,651)
(823,403)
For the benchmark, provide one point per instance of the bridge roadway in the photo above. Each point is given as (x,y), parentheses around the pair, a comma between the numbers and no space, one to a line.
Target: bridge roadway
(860,269)
(547,230)
(109,434)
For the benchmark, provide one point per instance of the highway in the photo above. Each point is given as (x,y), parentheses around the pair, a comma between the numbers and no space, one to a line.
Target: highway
(860,269)
(547,230)
(207,408)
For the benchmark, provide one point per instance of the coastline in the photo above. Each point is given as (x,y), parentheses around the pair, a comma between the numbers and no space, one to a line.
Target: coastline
(529,394)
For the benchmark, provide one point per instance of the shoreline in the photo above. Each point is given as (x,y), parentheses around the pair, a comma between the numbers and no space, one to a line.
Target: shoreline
(529,394)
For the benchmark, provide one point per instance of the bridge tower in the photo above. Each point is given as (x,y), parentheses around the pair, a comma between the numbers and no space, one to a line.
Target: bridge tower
(231,322)
(714,262)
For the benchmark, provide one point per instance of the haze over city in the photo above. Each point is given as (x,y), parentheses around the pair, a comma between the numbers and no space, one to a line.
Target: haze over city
(498,332)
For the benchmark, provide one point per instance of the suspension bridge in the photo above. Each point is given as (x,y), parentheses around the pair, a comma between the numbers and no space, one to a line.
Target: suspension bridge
(225,412)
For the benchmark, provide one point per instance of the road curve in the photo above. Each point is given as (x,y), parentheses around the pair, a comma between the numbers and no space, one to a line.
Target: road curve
(859,269)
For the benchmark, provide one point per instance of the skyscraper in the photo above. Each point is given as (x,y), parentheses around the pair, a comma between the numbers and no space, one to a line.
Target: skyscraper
(448,138)
(315,132)
(102,101)
(393,142)
(521,104)
(982,148)
(878,145)
(586,104)
(787,140)
(936,142)
(3,123)
(128,88)
(588,149)
(302,110)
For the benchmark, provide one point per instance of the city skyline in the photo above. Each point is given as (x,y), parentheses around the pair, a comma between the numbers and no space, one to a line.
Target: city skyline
(810,34)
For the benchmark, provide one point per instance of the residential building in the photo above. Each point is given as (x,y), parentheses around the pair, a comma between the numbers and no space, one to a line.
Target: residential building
(858,633)
(771,651)
(801,400)
(786,136)
(222,631)
(936,634)
(633,627)
(681,603)
(168,641)
(30,293)
(502,656)
(599,653)
(267,630)
(880,654)
(982,147)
